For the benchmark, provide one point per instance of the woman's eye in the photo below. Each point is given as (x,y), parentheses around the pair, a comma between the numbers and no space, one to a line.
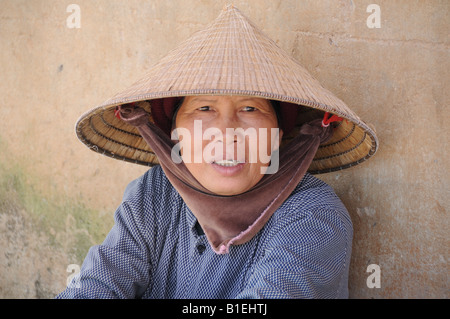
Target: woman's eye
(249,108)
(204,108)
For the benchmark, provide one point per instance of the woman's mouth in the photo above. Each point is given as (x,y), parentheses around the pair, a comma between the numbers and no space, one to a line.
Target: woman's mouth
(227,163)
(228,168)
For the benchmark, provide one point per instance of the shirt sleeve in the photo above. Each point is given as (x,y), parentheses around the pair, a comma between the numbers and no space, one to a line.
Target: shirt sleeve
(307,257)
(119,267)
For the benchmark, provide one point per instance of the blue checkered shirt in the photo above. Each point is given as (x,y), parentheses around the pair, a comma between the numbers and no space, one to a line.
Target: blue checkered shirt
(156,250)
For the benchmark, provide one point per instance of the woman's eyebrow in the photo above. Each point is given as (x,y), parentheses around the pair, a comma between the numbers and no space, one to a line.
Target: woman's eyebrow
(202,99)
(245,99)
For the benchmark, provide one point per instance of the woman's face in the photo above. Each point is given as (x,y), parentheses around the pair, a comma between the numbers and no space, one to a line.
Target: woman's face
(226,141)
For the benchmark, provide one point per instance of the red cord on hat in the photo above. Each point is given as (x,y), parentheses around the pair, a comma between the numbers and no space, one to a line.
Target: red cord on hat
(326,121)
(117,112)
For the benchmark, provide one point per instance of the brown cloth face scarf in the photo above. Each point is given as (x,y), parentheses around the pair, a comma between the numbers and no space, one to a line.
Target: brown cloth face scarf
(232,220)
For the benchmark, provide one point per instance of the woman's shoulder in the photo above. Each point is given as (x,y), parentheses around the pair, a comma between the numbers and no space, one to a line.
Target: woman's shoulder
(311,191)
(311,195)
(312,208)
(153,201)
(153,184)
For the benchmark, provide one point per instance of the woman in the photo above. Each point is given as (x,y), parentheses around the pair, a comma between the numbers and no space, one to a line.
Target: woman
(230,211)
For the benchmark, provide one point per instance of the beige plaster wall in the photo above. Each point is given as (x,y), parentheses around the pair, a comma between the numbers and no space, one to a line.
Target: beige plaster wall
(57,197)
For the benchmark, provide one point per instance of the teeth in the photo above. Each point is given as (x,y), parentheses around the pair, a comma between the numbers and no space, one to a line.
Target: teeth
(227,163)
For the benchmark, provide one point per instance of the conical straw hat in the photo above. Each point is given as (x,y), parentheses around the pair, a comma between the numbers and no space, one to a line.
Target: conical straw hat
(231,56)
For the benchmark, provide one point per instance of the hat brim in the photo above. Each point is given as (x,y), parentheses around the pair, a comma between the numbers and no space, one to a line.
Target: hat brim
(99,129)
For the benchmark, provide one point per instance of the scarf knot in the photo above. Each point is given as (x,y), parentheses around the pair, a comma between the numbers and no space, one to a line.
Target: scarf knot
(133,115)
(315,128)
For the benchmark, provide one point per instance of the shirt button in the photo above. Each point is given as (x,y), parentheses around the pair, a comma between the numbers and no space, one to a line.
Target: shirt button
(201,248)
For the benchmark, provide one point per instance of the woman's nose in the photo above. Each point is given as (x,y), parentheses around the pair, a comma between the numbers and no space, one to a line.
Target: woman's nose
(229,127)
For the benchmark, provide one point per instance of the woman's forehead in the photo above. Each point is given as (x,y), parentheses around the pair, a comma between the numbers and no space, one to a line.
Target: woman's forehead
(217,98)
